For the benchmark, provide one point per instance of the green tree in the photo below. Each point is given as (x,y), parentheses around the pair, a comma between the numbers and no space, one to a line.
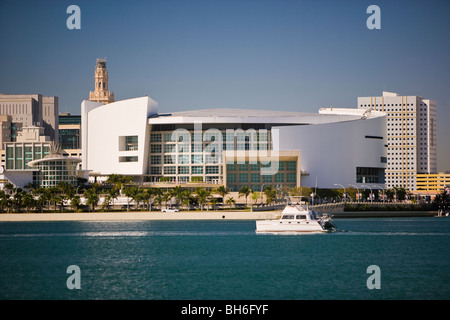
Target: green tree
(230,201)
(222,191)
(131,193)
(202,196)
(245,191)
(119,181)
(4,200)
(28,201)
(75,202)
(270,193)
(92,197)
(255,196)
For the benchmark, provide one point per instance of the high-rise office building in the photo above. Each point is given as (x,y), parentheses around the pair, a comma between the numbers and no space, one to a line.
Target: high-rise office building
(27,110)
(70,134)
(411,136)
(101,92)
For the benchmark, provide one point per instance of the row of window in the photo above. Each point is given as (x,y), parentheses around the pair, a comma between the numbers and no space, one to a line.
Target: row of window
(206,147)
(282,165)
(256,177)
(184,170)
(183,136)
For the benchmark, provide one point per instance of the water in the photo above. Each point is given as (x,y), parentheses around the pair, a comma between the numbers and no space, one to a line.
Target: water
(224,260)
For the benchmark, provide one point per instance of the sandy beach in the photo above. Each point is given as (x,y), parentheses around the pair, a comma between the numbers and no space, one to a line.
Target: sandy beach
(114,216)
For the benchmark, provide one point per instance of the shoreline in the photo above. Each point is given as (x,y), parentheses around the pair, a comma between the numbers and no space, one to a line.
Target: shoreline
(140,215)
(192,215)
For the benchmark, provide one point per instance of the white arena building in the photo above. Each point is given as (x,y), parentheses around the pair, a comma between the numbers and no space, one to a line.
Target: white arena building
(234,147)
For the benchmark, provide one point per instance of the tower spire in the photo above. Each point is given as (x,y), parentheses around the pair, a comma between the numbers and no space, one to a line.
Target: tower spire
(101,92)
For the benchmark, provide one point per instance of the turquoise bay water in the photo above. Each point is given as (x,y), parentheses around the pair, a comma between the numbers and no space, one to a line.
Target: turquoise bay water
(224,260)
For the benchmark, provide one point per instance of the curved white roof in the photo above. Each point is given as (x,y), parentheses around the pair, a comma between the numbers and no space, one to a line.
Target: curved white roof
(226,115)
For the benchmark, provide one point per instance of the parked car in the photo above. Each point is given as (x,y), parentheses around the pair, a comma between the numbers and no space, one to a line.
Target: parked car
(170,210)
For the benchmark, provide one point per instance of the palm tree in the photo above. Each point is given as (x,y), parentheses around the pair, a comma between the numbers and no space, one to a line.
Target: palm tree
(222,191)
(214,202)
(245,191)
(255,196)
(28,201)
(8,188)
(202,196)
(230,201)
(130,192)
(270,193)
(4,199)
(147,195)
(75,202)
(119,181)
(91,197)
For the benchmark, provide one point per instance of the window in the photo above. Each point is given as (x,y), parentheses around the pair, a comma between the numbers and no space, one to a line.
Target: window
(243,177)
(231,177)
(155,170)
(255,177)
(170,170)
(155,137)
(183,159)
(19,158)
(168,137)
(128,143)
(183,170)
(197,147)
(155,148)
(291,165)
(212,169)
(291,177)
(183,148)
(155,159)
(128,159)
(279,177)
(169,159)
(197,170)
(169,148)
(197,158)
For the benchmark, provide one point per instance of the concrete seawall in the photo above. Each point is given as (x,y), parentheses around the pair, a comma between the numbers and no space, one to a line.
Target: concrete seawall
(114,216)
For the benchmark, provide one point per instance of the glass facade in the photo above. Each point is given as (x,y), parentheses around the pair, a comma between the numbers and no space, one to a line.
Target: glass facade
(182,155)
(18,155)
(69,131)
(249,174)
(53,171)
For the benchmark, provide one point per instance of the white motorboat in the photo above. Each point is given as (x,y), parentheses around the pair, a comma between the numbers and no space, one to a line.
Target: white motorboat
(297,217)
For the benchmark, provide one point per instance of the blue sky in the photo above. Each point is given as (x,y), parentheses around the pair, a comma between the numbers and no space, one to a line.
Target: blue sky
(253,54)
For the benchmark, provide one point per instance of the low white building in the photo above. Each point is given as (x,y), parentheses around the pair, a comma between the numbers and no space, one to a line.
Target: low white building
(234,147)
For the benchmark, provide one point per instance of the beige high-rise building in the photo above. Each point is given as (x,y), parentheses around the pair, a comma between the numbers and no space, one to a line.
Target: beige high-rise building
(101,93)
(411,136)
(28,110)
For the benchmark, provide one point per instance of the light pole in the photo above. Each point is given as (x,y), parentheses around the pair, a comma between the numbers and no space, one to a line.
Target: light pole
(352,185)
(384,193)
(370,196)
(345,193)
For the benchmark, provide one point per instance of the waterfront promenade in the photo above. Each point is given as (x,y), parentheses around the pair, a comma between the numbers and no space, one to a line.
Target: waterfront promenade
(193,215)
(141,215)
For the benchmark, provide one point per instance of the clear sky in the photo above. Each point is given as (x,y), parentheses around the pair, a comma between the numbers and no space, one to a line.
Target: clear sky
(255,54)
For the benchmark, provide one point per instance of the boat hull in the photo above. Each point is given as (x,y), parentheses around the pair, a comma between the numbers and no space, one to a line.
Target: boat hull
(285,226)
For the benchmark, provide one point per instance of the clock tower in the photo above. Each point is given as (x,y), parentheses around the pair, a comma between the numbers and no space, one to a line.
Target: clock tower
(101,93)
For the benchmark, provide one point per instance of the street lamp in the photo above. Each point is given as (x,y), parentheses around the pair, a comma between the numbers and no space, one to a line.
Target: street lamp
(384,193)
(352,185)
(345,193)
(370,196)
